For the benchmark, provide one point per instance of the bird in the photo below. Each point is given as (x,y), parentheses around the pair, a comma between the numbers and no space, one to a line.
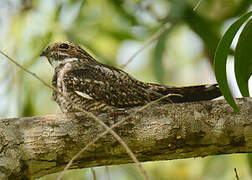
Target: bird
(81,81)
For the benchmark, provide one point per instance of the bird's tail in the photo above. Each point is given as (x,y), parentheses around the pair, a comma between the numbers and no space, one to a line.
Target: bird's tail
(189,93)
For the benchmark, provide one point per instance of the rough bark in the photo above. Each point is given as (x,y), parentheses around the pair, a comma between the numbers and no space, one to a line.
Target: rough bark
(35,146)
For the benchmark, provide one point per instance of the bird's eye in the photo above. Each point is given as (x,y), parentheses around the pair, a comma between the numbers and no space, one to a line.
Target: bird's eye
(64,46)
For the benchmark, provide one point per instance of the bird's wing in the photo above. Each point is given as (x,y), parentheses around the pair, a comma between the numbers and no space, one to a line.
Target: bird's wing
(106,84)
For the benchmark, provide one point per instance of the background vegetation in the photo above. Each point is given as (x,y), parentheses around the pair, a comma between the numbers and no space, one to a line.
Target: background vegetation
(112,30)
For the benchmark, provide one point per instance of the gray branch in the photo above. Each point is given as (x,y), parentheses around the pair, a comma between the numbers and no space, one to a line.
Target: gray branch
(31,147)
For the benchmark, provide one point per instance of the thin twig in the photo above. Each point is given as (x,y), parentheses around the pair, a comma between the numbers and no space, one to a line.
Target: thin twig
(197,5)
(118,138)
(148,42)
(29,72)
(115,125)
(236,174)
(89,114)
(93,173)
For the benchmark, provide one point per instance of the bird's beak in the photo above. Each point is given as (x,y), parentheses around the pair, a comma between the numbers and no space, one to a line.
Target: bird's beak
(44,53)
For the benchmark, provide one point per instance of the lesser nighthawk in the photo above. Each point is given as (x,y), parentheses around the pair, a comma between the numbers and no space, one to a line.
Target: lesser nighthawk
(97,87)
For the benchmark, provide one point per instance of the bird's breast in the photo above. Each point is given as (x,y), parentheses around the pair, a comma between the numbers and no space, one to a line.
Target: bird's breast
(60,76)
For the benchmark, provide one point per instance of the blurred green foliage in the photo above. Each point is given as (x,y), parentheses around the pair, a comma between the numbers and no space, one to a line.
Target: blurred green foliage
(111,30)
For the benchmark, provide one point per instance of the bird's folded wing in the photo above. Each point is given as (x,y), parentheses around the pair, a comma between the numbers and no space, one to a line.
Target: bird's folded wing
(106,84)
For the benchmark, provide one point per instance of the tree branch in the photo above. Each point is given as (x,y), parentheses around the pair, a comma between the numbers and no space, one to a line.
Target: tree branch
(35,146)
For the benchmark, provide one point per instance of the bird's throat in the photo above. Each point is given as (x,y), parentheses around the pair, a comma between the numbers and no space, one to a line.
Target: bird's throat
(57,62)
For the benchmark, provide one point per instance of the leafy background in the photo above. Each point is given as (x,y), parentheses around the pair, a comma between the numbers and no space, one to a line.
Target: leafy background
(112,30)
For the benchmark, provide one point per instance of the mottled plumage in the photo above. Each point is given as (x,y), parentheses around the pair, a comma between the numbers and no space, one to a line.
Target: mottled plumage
(96,87)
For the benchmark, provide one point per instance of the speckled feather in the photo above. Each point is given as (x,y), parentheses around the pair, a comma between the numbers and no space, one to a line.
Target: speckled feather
(96,87)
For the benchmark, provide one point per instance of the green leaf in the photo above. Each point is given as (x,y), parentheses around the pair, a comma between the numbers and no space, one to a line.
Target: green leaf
(220,59)
(243,59)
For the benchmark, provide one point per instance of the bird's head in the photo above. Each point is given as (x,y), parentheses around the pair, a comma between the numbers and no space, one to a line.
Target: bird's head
(60,52)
